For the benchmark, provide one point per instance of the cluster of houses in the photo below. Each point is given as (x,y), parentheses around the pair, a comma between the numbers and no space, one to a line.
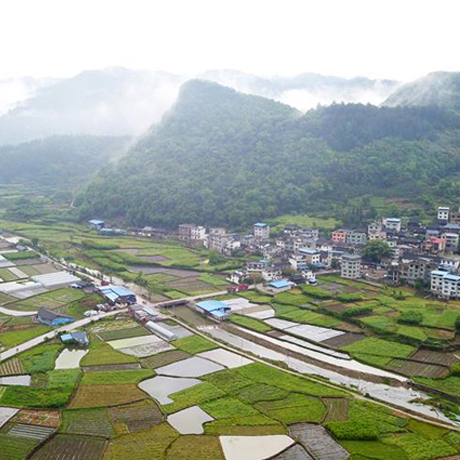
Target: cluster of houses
(420,255)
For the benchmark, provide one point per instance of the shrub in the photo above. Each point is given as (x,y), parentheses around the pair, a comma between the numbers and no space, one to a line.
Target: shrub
(413,318)
(455,369)
(91,244)
(350,297)
(315,292)
(353,430)
(358,311)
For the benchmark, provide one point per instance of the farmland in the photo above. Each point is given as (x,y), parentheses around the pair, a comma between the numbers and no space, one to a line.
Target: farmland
(104,413)
(368,322)
(156,265)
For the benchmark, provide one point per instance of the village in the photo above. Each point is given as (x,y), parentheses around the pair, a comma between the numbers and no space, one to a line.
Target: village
(417,255)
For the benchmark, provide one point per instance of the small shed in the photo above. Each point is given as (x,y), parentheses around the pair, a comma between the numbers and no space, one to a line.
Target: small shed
(51,318)
(79,338)
(279,286)
(214,308)
(96,224)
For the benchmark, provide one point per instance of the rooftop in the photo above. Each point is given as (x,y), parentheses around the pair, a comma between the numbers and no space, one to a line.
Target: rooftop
(261,225)
(280,284)
(212,305)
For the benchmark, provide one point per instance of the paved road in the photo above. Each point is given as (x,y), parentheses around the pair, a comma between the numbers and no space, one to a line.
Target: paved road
(52,334)
(7,311)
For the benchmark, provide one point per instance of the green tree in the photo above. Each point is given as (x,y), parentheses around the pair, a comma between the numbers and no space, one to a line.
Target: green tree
(376,250)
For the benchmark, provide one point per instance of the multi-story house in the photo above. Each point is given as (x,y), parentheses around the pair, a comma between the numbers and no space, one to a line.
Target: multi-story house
(218,239)
(311,256)
(261,231)
(454,216)
(392,223)
(189,232)
(378,236)
(339,236)
(350,266)
(450,241)
(356,237)
(374,227)
(443,214)
(445,284)
(271,273)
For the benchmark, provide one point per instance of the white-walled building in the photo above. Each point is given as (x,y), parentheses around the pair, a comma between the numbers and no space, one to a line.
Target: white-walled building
(445,284)
(392,223)
(443,213)
(311,256)
(262,231)
(350,266)
(451,241)
(189,232)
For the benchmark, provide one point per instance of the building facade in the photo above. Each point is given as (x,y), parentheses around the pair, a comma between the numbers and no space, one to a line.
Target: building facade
(351,266)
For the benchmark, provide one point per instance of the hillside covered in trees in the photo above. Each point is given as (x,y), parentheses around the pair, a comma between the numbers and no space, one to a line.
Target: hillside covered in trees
(59,160)
(221,157)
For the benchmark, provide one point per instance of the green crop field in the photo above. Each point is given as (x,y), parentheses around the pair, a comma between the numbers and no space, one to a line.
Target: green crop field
(379,347)
(101,353)
(15,337)
(194,344)
(116,377)
(250,323)
(93,422)
(192,396)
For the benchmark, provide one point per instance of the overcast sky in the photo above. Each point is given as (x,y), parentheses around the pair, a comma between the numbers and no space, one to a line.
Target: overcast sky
(400,39)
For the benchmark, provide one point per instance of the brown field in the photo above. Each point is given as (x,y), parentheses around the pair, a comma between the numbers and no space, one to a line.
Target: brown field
(343,340)
(296,452)
(337,409)
(163,359)
(113,367)
(197,448)
(435,357)
(68,447)
(11,367)
(143,415)
(337,307)
(414,368)
(317,440)
(191,317)
(106,395)
(191,285)
(91,422)
(49,418)
(143,445)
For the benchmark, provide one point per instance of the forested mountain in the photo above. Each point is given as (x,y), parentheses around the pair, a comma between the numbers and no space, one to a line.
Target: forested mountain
(221,157)
(60,160)
(435,89)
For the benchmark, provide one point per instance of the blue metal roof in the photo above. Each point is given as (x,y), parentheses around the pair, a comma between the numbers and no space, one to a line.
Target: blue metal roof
(96,222)
(219,313)
(260,224)
(120,290)
(308,251)
(280,284)
(212,306)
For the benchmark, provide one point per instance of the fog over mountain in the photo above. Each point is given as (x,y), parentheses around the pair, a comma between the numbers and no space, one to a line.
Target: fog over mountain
(119,101)
(437,88)
(14,90)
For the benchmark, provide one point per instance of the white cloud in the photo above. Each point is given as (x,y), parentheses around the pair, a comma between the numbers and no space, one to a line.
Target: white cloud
(382,38)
